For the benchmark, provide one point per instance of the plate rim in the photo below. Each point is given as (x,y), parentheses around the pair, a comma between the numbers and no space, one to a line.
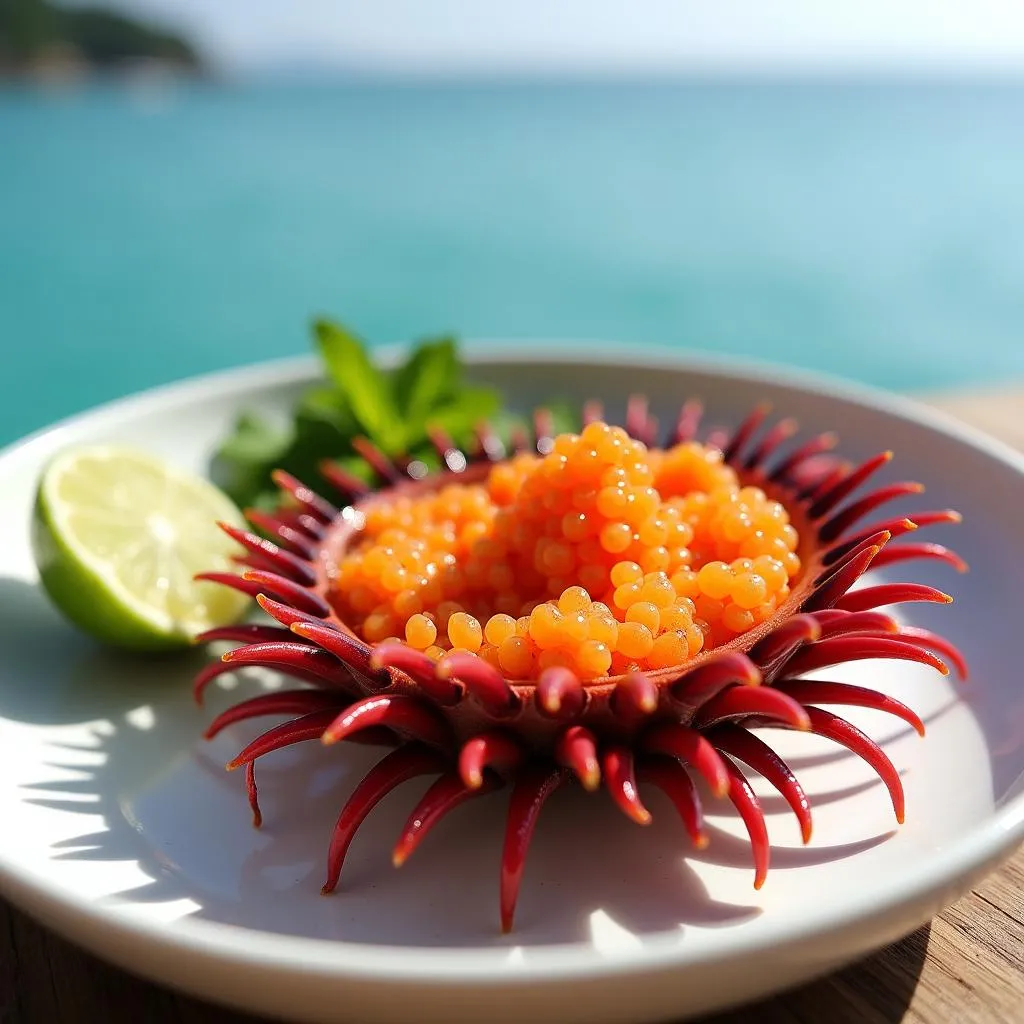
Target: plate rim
(972,855)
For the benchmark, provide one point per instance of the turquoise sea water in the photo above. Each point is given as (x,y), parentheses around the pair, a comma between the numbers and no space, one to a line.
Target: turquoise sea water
(870,230)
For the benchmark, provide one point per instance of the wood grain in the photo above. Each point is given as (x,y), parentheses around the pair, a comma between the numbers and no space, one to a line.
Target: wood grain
(966,966)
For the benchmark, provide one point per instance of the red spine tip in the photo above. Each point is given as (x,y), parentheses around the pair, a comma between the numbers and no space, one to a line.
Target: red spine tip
(634,696)
(576,749)
(926,638)
(559,693)
(690,747)
(443,797)
(492,750)
(401,765)
(254,800)
(481,680)
(621,781)
(532,788)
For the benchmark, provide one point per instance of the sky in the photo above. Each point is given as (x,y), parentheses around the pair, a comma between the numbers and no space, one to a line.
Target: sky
(602,36)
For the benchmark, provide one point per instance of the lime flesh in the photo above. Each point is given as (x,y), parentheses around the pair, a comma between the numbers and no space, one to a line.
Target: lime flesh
(118,536)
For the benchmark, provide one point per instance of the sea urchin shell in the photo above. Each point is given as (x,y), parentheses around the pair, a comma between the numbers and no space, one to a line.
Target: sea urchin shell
(459,718)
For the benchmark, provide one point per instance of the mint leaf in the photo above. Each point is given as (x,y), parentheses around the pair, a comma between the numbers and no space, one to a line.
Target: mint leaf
(328,405)
(365,387)
(316,438)
(254,441)
(429,377)
(465,412)
(392,410)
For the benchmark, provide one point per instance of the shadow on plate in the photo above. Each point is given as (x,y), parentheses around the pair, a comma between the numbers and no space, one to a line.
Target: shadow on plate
(168,806)
(53,675)
(133,755)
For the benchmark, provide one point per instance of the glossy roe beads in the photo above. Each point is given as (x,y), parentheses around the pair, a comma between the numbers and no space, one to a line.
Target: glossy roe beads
(601,555)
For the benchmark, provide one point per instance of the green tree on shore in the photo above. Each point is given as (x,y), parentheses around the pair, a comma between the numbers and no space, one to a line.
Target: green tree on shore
(32,31)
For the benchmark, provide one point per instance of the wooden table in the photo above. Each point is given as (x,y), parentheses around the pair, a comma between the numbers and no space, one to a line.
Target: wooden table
(967,965)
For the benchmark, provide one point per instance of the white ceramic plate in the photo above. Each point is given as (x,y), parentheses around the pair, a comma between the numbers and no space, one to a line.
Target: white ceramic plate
(122,831)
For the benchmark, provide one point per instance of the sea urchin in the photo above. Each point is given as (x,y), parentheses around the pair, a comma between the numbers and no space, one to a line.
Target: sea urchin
(587,607)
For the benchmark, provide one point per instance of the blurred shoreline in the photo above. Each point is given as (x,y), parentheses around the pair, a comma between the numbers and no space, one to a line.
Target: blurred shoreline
(67,76)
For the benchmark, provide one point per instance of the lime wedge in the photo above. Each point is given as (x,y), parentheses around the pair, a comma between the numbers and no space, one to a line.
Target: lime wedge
(118,536)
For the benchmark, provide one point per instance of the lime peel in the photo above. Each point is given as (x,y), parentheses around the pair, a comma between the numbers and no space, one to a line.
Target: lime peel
(118,537)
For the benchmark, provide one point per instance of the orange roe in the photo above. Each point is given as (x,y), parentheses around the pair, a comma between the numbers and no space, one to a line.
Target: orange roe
(603,556)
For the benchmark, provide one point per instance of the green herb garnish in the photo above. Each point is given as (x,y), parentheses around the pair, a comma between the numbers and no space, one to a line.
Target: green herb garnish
(393,409)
